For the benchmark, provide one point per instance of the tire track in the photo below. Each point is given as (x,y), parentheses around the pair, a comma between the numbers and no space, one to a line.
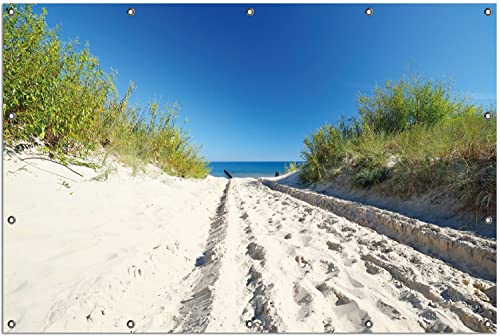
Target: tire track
(473,320)
(349,270)
(474,255)
(194,313)
(308,270)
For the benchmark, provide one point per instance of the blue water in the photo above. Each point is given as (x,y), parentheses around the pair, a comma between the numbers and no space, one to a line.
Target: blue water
(248,169)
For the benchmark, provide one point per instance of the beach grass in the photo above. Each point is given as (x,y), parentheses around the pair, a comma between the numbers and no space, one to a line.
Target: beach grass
(410,137)
(292,167)
(59,94)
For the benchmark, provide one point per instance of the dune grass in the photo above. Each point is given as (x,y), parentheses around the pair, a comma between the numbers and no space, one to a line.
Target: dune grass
(291,167)
(410,137)
(59,93)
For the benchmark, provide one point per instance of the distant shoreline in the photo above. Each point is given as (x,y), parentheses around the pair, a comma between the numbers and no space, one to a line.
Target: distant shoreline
(249,168)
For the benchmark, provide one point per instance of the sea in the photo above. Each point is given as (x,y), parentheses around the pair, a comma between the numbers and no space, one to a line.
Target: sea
(249,168)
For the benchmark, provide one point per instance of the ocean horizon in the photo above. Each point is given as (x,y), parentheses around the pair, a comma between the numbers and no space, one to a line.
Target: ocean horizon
(249,168)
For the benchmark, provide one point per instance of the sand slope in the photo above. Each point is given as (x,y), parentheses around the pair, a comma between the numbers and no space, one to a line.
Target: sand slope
(97,254)
(215,255)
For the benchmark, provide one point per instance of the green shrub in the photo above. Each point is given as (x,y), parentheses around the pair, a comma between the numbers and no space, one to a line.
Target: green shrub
(322,152)
(457,154)
(60,94)
(400,105)
(411,137)
(367,177)
(56,92)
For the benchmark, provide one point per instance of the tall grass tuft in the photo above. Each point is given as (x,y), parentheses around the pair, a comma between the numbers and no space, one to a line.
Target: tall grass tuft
(291,167)
(60,94)
(410,137)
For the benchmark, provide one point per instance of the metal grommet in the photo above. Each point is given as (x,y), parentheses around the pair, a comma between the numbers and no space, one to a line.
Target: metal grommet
(487,115)
(488,220)
(11,219)
(368,324)
(488,11)
(487,324)
(369,11)
(11,11)
(249,324)
(130,12)
(11,324)
(250,11)
(11,116)
(130,324)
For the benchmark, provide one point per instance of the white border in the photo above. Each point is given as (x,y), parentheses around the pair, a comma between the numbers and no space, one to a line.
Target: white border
(4,216)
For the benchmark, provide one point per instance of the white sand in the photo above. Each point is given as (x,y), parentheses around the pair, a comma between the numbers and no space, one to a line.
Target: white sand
(435,206)
(184,255)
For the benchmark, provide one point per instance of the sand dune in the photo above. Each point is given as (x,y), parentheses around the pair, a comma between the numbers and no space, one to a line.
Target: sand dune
(214,255)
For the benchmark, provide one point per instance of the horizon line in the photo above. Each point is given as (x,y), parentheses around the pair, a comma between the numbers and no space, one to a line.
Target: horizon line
(225,161)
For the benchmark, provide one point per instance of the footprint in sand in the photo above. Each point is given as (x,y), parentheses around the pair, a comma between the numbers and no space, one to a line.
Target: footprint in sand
(352,317)
(135,271)
(308,210)
(328,326)
(348,260)
(341,299)
(416,260)
(334,246)
(325,289)
(389,310)
(348,229)
(349,315)
(330,268)
(371,268)
(334,295)
(304,299)
(255,251)
(301,261)
(328,227)
(438,327)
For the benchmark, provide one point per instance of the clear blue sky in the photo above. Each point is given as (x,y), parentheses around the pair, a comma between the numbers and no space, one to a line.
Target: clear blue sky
(253,87)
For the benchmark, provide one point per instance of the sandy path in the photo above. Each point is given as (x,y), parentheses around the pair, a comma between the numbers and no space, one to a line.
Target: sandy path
(195,310)
(213,256)
(307,270)
(465,251)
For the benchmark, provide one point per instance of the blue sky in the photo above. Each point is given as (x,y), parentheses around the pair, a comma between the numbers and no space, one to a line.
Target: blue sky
(253,87)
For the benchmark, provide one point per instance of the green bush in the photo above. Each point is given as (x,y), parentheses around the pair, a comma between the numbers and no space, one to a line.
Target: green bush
(60,94)
(368,177)
(410,137)
(322,152)
(400,105)
(458,154)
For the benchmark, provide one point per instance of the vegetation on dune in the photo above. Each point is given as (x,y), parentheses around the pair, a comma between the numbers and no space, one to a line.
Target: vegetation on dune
(60,94)
(292,167)
(410,137)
